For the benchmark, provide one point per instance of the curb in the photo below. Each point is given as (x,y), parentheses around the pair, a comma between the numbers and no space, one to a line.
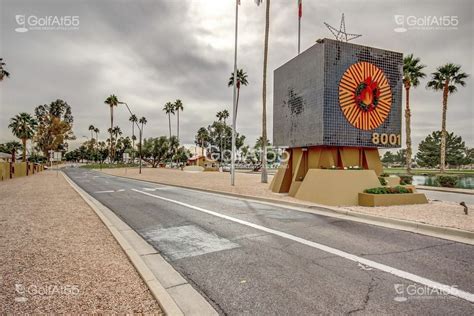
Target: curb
(173,293)
(448,233)
(447,190)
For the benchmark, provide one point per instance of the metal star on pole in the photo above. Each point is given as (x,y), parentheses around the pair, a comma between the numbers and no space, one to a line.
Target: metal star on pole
(341,34)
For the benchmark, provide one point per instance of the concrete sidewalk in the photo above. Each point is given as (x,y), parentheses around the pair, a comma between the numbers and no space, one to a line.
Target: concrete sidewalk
(58,257)
(437,213)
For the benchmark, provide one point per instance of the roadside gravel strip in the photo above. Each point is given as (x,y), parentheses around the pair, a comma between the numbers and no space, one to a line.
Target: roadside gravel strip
(56,256)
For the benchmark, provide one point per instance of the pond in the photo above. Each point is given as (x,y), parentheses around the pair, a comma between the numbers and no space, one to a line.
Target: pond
(464,182)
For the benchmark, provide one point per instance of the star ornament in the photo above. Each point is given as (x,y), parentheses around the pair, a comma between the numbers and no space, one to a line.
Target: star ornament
(341,34)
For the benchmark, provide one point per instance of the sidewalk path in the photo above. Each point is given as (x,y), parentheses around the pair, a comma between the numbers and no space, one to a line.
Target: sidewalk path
(438,213)
(56,256)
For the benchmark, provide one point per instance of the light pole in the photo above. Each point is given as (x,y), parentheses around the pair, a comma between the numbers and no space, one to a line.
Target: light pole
(140,141)
(234,105)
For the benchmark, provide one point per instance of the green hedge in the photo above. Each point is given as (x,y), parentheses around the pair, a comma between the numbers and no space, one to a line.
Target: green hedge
(388,190)
(447,181)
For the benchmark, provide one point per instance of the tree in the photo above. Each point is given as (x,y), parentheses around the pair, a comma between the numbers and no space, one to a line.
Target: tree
(54,126)
(92,129)
(446,79)
(388,158)
(202,139)
(3,72)
(241,81)
(111,101)
(220,136)
(412,73)
(23,126)
(221,117)
(169,109)
(96,131)
(178,106)
(11,147)
(133,118)
(155,150)
(264,177)
(429,150)
(143,122)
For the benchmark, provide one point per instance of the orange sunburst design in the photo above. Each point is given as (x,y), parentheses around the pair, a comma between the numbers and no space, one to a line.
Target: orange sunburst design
(365,96)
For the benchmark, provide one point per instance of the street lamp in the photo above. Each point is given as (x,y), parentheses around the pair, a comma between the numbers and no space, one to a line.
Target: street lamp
(140,141)
(234,105)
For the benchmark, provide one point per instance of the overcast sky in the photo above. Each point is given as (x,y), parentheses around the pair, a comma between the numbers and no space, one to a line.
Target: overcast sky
(151,52)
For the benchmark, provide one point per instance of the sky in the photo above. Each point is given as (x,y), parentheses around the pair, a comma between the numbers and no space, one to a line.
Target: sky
(151,52)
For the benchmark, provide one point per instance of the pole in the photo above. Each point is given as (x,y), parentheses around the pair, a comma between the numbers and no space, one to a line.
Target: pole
(234,107)
(299,23)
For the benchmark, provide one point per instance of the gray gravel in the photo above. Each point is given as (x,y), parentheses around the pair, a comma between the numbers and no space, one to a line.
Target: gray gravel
(56,256)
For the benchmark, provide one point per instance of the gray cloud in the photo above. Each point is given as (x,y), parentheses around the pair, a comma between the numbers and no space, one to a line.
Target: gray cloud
(151,52)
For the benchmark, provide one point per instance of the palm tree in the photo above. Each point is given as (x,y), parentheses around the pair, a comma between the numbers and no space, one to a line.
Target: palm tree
(178,106)
(23,126)
(97,131)
(111,101)
(169,109)
(221,117)
(445,79)
(12,147)
(92,129)
(241,81)
(133,119)
(264,177)
(142,121)
(412,73)
(202,137)
(3,72)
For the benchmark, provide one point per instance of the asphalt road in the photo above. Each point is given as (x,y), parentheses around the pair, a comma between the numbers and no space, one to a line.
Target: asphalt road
(245,257)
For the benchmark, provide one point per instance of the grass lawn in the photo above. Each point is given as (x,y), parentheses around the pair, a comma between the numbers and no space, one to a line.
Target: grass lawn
(466,172)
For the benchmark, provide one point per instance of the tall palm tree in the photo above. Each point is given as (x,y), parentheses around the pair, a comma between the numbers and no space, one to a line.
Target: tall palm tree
(202,138)
(23,126)
(241,81)
(143,122)
(12,147)
(178,106)
(92,129)
(446,78)
(221,117)
(264,177)
(133,119)
(169,109)
(3,72)
(111,101)
(412,73)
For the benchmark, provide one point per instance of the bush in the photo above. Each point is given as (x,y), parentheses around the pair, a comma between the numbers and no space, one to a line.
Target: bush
(447,181)
(406,180)
(382,181)
(385,175)
(388,190)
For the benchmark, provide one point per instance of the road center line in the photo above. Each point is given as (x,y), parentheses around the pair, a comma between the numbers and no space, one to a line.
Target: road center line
(107,191)
(379,266)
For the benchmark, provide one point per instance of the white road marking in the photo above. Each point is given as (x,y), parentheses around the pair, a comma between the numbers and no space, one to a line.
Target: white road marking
(107,191)
(120,190)
(454,291)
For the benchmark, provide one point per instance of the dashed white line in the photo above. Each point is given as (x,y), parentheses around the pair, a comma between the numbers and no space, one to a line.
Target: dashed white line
(106,191)
(451,290)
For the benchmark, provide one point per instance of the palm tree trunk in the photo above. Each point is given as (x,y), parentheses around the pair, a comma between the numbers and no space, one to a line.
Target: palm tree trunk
(443,128)
(177,132)
(23,140)
(408,128)
(111,127)
(133,141)
(169,122)
(264,177)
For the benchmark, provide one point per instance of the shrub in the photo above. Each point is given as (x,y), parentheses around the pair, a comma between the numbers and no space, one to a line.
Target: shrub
(406,179)
(447,181)
(382,181)
(385,175)
(389,190)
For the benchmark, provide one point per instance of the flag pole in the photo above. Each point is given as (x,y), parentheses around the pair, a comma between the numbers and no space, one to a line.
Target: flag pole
(300,13)
(234,107)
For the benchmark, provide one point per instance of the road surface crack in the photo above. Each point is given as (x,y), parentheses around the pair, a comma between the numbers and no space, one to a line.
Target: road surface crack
(404,251)
(370,288)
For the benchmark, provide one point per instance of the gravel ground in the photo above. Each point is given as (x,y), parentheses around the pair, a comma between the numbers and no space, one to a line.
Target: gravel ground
(438,213)
(56,256)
